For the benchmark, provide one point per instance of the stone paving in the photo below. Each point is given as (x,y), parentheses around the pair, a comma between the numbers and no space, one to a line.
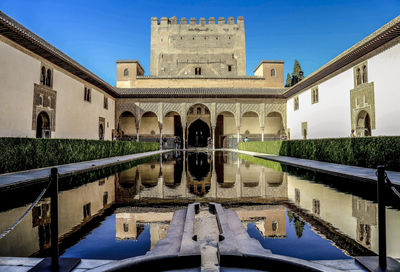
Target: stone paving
(345,171)
(23,178)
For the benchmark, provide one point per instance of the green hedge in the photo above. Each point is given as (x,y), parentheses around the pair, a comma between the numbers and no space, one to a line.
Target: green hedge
(28,153)
(365,152)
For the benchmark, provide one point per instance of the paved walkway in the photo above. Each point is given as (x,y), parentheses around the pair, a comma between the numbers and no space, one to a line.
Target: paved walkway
(24,178)
(340,170)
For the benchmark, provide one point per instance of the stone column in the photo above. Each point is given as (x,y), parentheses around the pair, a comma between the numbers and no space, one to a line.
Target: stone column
(213,137)
(262,134)
(161,140)
(137,132)
(238,134)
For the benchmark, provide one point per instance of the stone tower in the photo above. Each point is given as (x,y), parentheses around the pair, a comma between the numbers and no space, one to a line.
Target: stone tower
(197,49)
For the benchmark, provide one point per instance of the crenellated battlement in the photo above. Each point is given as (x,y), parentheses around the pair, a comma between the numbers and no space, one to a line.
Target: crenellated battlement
(193,21)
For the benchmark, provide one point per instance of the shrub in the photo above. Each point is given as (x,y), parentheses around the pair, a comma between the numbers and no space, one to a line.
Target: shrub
(364,152)
(19,154)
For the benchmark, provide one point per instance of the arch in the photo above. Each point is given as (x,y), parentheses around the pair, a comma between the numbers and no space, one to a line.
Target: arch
(273,72)
(172,127)
(126,72)
(364,74)
(358,76)
(149,128)
(274,125)
(127,126)
(48,78)
(363,124)
(250,123)
(43,125)
(43,75)
(198,112)
(225,127)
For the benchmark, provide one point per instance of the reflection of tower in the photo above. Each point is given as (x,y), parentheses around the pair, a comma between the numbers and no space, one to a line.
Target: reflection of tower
(129,225)
(269,220)
(366,214)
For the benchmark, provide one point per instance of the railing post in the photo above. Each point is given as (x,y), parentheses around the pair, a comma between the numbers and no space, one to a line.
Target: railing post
(381,217)
(54,219)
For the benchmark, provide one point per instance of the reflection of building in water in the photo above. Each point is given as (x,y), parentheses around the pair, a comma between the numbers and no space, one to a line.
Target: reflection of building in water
(76,207)
(199,173)
(269,220)
(366,214)
(129,225)
(351,215)
(225,177)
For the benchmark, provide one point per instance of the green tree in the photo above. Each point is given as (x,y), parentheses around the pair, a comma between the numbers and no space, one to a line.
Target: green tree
(288,80)
(297,74)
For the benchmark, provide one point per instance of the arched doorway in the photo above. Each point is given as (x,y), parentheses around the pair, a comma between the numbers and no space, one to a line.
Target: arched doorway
(198,125)
(149,129)
(225,130)
(250,126)
(363,124)
(172,127)
(43,125)
(199,132)
(127,126)
(274,128)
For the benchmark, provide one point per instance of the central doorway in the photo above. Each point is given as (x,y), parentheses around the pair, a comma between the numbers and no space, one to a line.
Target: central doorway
(199,132)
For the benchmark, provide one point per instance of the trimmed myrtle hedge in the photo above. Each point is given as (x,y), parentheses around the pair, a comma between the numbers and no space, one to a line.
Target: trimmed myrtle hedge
(28,153)
(365,152)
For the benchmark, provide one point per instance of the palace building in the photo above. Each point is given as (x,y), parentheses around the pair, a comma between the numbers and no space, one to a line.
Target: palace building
(197,89)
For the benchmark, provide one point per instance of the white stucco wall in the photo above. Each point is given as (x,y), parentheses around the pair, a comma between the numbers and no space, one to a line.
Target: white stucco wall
(18,73)
(383,70)
(331,116)
(75,118)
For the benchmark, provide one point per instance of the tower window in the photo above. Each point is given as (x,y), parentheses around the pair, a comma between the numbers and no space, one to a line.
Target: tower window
(87,95)
(364,74)
(48,78)
(229,68)
(43,76)
(197,70)
(273,73)
(105,102)
(126,72)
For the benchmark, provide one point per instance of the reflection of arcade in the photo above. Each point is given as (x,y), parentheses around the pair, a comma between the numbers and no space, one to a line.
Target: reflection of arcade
(129,225)
(199,173)
(41,219)
(269,220)
(148,177)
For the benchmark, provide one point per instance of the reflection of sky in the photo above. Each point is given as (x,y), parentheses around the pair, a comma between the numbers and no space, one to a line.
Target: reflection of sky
(310,246)
(102,244)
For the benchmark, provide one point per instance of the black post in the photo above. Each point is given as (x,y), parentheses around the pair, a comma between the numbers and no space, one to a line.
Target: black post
(54,219)
(381,217)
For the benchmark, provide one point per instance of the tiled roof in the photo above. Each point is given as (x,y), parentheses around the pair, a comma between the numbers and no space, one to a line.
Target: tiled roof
(199,93)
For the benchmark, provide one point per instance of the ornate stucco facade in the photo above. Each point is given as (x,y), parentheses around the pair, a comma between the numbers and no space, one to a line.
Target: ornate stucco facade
(197,89)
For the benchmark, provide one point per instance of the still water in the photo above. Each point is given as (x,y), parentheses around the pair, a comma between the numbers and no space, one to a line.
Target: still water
(126,213)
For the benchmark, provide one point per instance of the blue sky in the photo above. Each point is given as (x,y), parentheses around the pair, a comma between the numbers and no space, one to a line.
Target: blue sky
(97,33)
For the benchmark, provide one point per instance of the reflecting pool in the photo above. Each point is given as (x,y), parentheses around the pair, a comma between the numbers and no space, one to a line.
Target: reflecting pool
(120,214)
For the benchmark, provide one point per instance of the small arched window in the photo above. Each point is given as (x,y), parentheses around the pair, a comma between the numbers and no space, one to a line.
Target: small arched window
(126,72)
(43,76)
(364,74)
(273,73)
(358,76)
(48,78)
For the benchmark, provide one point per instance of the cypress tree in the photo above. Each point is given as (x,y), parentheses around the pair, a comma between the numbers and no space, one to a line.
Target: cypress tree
(297,74)
(288,80)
